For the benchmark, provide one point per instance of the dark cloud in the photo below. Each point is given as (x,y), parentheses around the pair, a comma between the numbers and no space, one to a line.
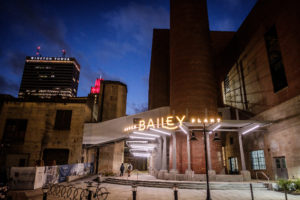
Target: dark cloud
(8,87)
(15,61)
(31,16)
(224,24)
(137,21)
(138,108)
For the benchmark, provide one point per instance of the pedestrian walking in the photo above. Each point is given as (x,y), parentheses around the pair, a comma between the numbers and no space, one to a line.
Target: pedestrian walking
(129,169)
(122,169)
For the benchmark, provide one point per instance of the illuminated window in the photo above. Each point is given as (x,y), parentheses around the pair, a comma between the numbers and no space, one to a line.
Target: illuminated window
(226,85)
(14,132)
(275,60)
(258,160)
(224,157)
(63,119)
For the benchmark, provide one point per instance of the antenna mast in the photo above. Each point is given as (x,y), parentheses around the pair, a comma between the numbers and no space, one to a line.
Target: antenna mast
(38,51)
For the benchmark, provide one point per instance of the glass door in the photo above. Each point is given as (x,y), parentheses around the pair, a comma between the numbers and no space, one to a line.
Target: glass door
(233,164)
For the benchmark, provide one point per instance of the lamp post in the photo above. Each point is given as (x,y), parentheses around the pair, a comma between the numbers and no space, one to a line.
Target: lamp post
(134,189)
(206,165)
(175,189)
(45,189)
(193,137)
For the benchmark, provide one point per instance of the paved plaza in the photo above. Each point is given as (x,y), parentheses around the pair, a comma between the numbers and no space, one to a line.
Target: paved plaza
(123,192)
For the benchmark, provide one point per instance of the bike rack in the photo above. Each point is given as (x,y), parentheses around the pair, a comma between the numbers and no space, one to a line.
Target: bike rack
(70,192)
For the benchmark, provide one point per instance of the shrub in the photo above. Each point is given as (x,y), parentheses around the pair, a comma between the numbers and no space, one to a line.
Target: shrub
(284,184)
(297,183)
(290,185)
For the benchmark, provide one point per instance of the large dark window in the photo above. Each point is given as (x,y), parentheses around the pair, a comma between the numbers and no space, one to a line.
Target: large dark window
(63,119)
(55,156)
(275,60)
(14,131)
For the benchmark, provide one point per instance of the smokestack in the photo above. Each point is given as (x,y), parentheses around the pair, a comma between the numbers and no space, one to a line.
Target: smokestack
(192,78)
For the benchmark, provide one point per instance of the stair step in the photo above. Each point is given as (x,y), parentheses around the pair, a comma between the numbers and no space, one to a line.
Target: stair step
(169,184)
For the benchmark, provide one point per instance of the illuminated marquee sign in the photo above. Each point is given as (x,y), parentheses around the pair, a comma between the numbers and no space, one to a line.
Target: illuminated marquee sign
(50,58)
(170,123)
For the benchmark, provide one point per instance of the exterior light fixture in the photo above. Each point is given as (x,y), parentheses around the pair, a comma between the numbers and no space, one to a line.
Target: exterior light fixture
(205,120)
(216,127)
(212,120)
(143,146)
(135,147)
(216,137)
(141,154)
(137,141)
(159,131)
(250,129)
(199,120)
(146,134)
(140,150)
(193,137)
(183,130)
(143,138)
(193,120)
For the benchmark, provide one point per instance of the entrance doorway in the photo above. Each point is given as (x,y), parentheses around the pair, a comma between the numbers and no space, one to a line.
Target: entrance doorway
(55,156)
(233,165)
(281,170)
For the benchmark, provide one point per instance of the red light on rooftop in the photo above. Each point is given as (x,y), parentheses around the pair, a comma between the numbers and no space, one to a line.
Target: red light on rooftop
(38,48)
(96,88)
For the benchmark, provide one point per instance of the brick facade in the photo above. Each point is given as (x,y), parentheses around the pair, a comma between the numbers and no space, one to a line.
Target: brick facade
(242,57)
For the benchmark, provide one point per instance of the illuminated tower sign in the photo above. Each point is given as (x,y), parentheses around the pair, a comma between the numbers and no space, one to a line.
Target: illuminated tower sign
(96,88)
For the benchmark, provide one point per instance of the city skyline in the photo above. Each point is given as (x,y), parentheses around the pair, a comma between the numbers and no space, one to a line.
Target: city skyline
(109,39)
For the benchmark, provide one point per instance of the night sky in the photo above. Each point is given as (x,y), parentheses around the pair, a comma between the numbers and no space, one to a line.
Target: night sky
(110,38)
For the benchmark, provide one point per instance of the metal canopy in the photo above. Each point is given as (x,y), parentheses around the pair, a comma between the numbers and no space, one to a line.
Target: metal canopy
(112,130)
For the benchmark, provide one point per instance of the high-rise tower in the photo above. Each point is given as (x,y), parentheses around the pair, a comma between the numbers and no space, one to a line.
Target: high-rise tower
(46,77)
(192,79)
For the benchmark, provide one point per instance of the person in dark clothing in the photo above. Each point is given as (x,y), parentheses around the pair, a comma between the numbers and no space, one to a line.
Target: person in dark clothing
(122,169)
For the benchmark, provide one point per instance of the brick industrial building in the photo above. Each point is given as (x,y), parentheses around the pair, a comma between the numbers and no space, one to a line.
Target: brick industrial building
(44,131)
(248,78)
(250,74)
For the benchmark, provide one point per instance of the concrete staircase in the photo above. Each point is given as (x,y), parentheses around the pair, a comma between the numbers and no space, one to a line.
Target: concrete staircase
(188,185)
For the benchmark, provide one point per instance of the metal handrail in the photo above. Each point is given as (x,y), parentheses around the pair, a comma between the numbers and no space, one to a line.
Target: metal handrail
(263,173)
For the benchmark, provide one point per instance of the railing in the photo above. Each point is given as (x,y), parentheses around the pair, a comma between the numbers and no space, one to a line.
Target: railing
(263,175)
